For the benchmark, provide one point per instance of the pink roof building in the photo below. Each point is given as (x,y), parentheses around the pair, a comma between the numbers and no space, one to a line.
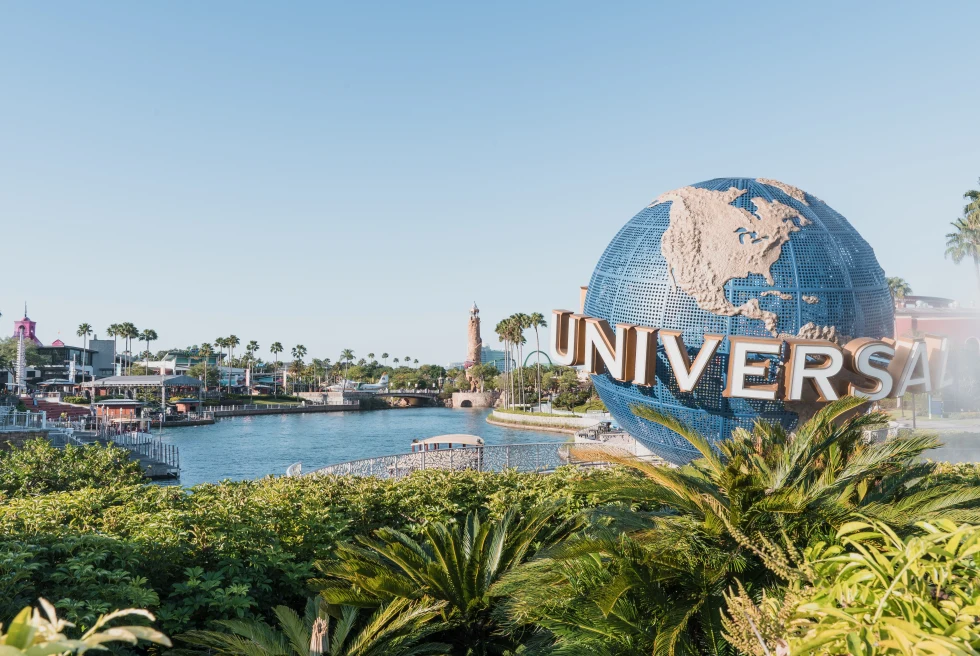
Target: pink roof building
(27,326)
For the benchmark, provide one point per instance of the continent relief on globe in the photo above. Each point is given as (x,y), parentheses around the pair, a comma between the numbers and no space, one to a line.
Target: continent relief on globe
(709,242)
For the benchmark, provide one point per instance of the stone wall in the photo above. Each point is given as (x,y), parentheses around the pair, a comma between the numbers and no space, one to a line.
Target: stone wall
(563,423)
(474,399)
(9,439)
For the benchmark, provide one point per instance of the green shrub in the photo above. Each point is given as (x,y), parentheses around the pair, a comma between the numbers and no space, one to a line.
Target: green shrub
(39,468)
(78,400)
(234,549)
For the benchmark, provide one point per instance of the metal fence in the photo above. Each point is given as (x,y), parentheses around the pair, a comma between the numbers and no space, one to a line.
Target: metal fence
(147,446)
(537,457)
(18,421)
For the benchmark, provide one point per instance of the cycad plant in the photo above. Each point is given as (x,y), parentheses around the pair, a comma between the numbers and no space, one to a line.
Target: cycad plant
(396,629)
(455,564)
(702,522)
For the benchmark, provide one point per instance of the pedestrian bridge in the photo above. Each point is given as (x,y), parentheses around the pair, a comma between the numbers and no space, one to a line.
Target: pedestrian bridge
(409,394)
(540,457)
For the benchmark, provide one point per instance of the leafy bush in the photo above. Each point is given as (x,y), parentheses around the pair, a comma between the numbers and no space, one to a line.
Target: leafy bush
(39,468)
(77,400)
(232,550)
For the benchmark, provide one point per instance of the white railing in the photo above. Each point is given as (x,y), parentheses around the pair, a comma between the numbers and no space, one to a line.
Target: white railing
(16,421)
(537,457)
(274,406)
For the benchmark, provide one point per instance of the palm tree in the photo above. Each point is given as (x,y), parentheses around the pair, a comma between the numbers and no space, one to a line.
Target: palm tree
(299,352)
(275,349)
(221,343)
(521,323)
(964,241)
(129,332)
(206,352)
(719,515)
(346,356)
(407,360)
(370,356)
(397,629)
(395,362)
(503,334)
(113,331)
(231,343)
(456,564)
(148,335)
(536,321)
(84,330)
(251,349)
(415,362)
(898,287)
(384,358)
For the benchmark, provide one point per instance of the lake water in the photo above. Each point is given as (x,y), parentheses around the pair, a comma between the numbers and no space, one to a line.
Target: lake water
(251,447)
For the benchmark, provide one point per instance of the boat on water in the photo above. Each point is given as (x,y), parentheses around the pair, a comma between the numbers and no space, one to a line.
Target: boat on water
(442,442)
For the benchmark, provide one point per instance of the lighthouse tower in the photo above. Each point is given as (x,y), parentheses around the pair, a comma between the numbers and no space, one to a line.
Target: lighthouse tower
(475,342)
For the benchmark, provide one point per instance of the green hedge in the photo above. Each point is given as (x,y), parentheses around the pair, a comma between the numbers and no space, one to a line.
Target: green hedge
(219,551)
(78,400)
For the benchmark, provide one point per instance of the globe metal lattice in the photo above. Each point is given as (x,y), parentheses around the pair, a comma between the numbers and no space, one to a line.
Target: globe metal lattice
(826,275)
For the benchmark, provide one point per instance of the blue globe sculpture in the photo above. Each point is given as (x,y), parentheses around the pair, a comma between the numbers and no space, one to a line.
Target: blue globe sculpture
(731,256)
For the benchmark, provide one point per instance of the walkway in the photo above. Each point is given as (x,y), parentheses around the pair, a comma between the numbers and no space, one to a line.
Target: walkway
(539,457)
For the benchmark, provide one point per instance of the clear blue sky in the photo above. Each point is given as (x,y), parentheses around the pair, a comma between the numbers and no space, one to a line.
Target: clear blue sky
(357,174)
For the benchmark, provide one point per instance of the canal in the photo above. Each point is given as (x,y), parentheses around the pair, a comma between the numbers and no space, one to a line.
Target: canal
(251,447)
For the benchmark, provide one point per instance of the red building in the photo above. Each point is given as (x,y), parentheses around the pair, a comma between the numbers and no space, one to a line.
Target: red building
(931,315)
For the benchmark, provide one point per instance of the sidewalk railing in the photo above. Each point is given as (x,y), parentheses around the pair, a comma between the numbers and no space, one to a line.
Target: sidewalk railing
(17,421)
(536,457)
(147,446)
(274,406)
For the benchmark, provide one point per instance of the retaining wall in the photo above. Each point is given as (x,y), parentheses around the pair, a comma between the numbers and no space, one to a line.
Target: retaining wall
(564,424)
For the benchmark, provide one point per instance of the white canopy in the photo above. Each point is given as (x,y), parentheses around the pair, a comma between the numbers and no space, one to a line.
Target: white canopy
(455,438)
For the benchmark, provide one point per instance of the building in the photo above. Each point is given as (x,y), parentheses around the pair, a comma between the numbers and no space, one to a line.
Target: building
(487,356)
(178,361)
(62,362)
(931,315)
(28,327)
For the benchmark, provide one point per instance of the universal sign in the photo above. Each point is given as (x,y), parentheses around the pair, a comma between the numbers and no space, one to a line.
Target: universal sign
(868,368)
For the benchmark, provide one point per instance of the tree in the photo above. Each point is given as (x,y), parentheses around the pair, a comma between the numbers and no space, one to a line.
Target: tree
(129,332)
(964,242)
(415,361)
(395,362)
(384,358)
(206,352)
(370,356)
(148,335)
(221,343)
(346,356)
(275,349)
(715,514)
(114,331)
(231,342)
(898,287)
(536,321)
(397,629)
(251,349)
(84,330)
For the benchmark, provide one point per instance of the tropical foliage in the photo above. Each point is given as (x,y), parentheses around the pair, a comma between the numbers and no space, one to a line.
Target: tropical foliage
(809,541)
(38,632)
(396,629)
